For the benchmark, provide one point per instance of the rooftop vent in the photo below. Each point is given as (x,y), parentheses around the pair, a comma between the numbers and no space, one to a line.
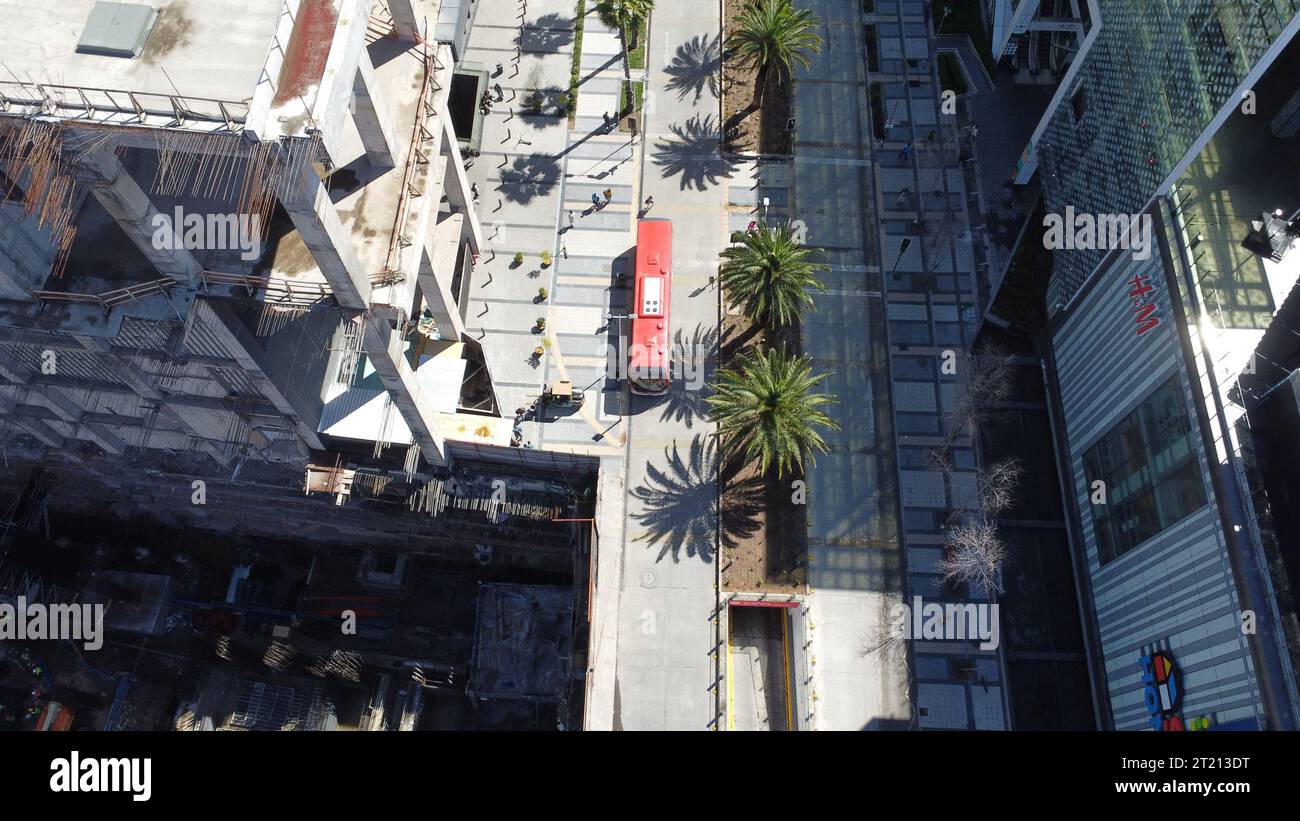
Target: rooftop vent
(117,29)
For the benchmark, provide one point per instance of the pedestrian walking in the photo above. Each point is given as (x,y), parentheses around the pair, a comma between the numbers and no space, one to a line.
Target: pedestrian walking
(595,201)
(649,203)
(609,196)
(570,219)
(902,155)
(564,250)
(753,224)
(930,136)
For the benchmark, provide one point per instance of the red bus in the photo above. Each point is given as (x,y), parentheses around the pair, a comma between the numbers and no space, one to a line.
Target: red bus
(648,361)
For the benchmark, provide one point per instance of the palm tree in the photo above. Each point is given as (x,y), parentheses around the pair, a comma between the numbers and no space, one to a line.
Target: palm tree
(765,408)
(625,16)
(770,273)
(773,35)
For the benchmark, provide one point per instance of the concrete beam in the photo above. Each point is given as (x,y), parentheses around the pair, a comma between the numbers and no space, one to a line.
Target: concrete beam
(235,340)
(371,116)
(384,348)
(62,406)
(437,268)
(318,223)
(405,23)
(335,92)
(206,427)
(456,184)
(133,211)
(35,428)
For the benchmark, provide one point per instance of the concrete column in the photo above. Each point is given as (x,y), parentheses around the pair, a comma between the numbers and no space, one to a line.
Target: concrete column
(384,349)
(405,24)
(456,184)
(322,231)
(135,213)
(371,117)
(436,274)
(26,255)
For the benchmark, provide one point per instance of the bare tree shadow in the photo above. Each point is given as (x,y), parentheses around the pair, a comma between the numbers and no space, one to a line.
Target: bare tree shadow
(696,66)
(548,33)
(693,361)
(681,504)
(694,154)
(529,177)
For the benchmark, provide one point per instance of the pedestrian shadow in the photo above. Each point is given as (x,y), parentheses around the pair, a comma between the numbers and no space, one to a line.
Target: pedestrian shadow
(693,363)
(694,154)
(529,177)
(696,66)
(680,504)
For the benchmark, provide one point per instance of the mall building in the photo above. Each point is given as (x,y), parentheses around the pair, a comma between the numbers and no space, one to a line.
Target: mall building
(1169,164)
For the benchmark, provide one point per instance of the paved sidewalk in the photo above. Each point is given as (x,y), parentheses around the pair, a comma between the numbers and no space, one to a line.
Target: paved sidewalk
(855,564)
(932,306)
(520,183)
(658,666)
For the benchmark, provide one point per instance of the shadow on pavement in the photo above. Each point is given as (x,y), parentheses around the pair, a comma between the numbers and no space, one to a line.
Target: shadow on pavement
(692,363)
(694,154)
(529,177)
(681,504)
(696,66)
(548,33)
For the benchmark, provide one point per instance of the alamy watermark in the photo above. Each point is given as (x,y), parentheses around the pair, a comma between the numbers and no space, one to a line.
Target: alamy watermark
(209,232)
(1082,231)
(37,621)
(128,775)
(682,368)
(946,621)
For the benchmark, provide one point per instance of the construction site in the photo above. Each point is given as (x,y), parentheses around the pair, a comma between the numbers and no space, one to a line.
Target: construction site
(238,403)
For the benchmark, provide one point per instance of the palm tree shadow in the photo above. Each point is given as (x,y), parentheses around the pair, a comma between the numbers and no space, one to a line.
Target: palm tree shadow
(680,503)
(694,154)
(696,66)
(693,362)
(530,177)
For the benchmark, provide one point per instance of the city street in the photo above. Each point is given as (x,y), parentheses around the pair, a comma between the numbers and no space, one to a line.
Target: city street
(667,652)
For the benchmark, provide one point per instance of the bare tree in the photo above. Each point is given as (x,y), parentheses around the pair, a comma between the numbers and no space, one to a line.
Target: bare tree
(974,550)
(987,385)
(996,488)
(888,636)
(974,554)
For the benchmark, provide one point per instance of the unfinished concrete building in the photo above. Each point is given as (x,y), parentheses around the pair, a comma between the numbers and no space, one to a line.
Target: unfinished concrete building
(238,228)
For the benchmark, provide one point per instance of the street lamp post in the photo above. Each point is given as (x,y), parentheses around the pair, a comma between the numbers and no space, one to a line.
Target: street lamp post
(947,10)
(902,247)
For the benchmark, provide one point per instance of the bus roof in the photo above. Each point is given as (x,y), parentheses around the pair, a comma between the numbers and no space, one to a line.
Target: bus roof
(649,344)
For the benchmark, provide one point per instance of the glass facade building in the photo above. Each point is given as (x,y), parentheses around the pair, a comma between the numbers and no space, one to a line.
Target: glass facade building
(1157,74)
(1149,473)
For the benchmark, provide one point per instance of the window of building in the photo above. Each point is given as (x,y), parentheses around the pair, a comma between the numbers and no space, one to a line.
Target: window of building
(1152,476)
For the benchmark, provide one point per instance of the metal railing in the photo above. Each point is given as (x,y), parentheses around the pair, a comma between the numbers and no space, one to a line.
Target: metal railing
(92,103)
